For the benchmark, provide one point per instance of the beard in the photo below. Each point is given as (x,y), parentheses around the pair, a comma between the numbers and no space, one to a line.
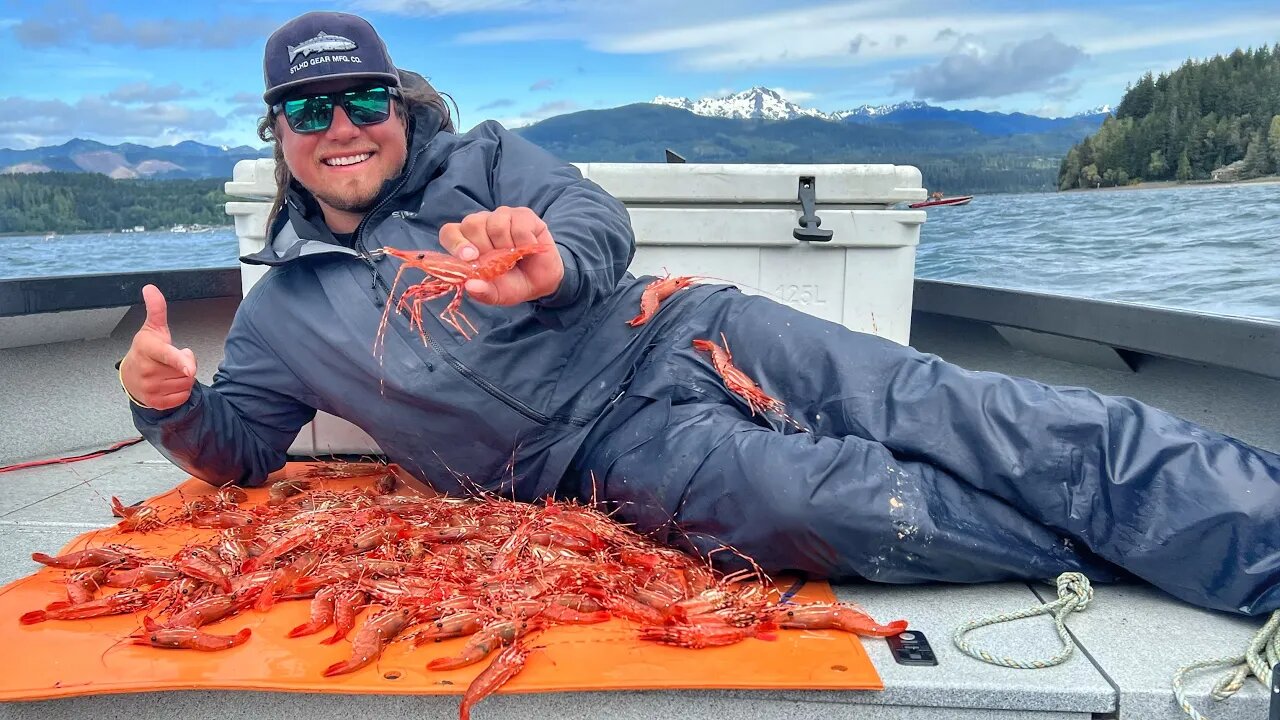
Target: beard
(355,202)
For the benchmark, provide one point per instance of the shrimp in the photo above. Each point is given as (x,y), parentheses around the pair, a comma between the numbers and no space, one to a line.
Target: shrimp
(507,665)
(370,641)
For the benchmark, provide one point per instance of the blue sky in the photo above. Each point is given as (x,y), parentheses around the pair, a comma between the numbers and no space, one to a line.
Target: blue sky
(158,73)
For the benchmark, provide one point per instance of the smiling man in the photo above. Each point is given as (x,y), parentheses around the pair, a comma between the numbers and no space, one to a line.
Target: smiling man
(326,78)
(908,468)
(344,165)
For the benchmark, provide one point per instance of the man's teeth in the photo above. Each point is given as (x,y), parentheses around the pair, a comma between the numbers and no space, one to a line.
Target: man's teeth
(348,160)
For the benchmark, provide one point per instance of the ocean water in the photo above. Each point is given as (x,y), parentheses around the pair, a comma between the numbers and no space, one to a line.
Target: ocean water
(91,253)
(1214,249)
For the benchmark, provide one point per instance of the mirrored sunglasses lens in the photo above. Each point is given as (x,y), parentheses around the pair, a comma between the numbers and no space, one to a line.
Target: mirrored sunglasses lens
(367,107)
(309,114)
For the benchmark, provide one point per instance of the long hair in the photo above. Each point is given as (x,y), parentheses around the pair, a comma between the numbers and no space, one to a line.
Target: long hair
(415,93)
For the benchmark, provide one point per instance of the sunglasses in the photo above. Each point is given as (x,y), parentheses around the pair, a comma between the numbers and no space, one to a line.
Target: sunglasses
(313,114)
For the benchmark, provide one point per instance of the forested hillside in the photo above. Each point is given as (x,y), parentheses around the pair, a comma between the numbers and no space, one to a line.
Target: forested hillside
(80,202)
(1185,124)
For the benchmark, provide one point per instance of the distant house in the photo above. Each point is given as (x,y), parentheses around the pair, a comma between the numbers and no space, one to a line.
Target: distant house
(1229,173)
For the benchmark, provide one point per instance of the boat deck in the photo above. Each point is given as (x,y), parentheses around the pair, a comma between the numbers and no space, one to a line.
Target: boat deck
(1128,642)
(59,396)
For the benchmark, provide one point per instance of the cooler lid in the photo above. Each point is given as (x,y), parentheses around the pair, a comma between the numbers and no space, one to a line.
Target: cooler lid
(684,183)
(740,183)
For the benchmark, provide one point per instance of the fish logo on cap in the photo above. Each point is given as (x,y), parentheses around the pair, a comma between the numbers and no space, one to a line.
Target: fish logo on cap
(323,42)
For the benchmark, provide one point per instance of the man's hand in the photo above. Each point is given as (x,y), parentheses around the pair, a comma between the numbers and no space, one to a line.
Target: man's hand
(533,277)
(154,372)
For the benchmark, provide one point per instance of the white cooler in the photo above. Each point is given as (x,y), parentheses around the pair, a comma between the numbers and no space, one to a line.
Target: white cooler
(824,239)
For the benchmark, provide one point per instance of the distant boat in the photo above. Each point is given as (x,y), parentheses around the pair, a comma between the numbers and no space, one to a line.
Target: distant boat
(957,200)
(50,236)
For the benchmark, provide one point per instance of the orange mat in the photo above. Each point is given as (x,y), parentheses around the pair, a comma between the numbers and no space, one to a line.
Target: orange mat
(58,659)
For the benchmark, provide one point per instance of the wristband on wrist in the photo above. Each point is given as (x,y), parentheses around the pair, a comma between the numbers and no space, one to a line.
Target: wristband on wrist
(132,399)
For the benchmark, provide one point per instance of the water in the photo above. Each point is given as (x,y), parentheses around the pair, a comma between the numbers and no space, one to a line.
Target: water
(36,256)
(1208,249)
(1213,249)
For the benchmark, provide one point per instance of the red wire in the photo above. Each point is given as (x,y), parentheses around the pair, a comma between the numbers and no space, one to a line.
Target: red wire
(86,456)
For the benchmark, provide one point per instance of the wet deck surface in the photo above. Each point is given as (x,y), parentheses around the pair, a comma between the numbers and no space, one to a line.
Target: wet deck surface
(1129,642)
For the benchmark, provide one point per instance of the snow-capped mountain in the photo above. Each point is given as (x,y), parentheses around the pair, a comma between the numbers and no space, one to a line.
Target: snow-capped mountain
(762,103)
(875,111)
(758,103)
(1100,110)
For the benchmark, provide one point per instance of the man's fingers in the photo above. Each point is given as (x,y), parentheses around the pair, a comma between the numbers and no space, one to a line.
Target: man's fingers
(525,228)
(190,367)
(542,233)
(455,241)
(510,289)
(498,228)
(172,386)
(171,357)
(481,291)
(476,234)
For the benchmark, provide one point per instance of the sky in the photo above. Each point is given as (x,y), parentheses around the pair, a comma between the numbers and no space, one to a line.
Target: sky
(159,73)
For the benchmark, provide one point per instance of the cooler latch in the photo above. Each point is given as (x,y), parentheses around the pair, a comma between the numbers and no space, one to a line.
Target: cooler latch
(809,220)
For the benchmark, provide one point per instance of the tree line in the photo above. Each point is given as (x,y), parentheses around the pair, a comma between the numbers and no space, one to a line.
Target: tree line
(1183,125)
(85,202)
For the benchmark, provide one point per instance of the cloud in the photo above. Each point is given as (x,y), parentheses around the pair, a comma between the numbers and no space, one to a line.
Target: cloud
(35,33)
(555,107)
(795,96)
(246,104)
(146,92)
(972,70)
(42,122)
(1197,29)
(499,103)
(731,35)
(542,112)
(74,23)
(440,7)
(544,84)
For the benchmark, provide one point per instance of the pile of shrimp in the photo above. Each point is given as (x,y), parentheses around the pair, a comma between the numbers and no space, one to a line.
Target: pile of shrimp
(381,567)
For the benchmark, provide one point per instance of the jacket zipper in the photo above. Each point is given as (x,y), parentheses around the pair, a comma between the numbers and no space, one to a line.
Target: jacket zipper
(455,363)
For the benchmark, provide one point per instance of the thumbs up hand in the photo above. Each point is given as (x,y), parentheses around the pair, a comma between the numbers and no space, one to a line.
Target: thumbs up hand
(154,372)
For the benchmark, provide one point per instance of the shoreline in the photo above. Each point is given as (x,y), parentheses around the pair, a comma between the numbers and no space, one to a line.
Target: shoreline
(1167,184)
(112,232)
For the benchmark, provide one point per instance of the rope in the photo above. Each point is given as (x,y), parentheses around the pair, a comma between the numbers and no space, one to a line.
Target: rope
(75,458)
(1262,655)
(1074,593)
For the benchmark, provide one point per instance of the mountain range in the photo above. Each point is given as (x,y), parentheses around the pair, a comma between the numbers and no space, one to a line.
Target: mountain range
(187,159)
(762,103)
(958,150)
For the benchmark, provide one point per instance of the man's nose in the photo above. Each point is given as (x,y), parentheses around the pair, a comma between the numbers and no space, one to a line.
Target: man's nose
(341,127)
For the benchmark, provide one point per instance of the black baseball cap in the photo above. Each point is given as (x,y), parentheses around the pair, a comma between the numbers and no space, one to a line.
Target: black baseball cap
(323,46)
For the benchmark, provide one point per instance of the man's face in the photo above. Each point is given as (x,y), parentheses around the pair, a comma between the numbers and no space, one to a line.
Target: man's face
(344,166)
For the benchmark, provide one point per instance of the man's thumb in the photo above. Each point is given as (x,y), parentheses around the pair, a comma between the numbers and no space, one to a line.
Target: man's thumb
(157,311)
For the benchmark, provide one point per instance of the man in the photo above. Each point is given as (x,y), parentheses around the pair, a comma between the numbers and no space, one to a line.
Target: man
(909,469)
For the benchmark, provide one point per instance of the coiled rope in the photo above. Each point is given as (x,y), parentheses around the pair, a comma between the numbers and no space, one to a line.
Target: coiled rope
(1074,593)
(1258,660)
